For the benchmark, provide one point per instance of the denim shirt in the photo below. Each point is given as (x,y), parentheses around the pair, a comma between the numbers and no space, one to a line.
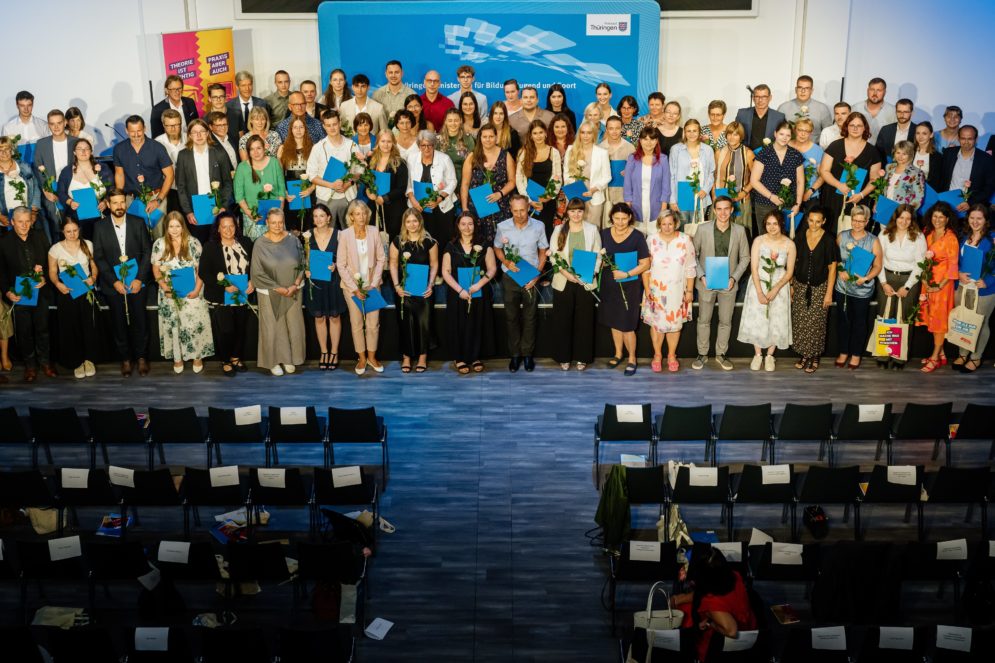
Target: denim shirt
(32,191)
(867,243)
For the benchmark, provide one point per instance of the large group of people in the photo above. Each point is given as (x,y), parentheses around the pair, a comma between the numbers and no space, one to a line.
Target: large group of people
(291,203)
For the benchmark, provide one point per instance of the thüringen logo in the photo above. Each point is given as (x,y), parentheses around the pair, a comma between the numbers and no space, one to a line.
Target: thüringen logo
(609,25)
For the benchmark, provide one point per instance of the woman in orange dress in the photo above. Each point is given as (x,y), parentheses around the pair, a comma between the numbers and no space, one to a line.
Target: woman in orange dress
(937,299)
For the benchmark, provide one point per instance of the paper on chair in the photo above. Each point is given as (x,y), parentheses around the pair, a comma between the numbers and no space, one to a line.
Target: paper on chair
(789,554)
(759,538)
(250,414)
(151,638)
(75,477)
(272,477)
(732,550)
(902,475)
(829,637)
(293,416)
(669,639)
(775,474)
(377,630)
(896,637)
(744,640)
(1,550)
(629,414)
(346,476)
(870,413)
(224,476)
(64,548)
(952,550)
(991,548)
(644,551)
(151,579)
(177,552)
(121,476)
(957,638)
(632,460)
(703,476)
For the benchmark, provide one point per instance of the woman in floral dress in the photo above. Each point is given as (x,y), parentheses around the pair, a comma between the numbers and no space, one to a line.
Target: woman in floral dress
(668,284)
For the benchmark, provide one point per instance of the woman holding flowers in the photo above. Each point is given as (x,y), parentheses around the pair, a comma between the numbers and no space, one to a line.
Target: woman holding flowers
(927,158)
(853,292)
(812,153)
(977,235)
(573,299)
(469,312)
(413,247)
(184,321)
(669,288)
(622,293)
(293,156)
(455,140)
(903,248)
(735,165)
(778,177)
(259,178)
(18,185)
(361,264)
(227,257)
(387,159)
(586,162)
(539,162)
(903,182)
(694,162)
(766,321)
(73,257)
(489,164)
(839,166)
(84,173)
(323,298)
(939,276)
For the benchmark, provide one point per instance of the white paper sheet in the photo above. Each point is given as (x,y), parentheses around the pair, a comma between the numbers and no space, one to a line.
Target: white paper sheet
(152,638)
(957,638)
(896,637)
(732,550)
(744,640)
(272,477)
(869,413)
(953,550)
(789,554)
(75,477)
(377,630)
(775,474)
(224,476)
(644,551)
(632,460)
(65,548)
(121,476)
(1,550)
(346,476)
(902,475)
(293,416)
(703,476)
(669,640)
(991,548)
(151,579)
(250,414)
(829,637)
(177,552)
(759,537)
(629,414)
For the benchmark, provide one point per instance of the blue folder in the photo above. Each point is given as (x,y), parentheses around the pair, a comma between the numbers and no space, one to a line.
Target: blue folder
(757,151)
(722,192)
(526,272)
(335,170)
(203,208)
(27,153)
(137,208)
(583,263)
(240,281)
(183,281)
(928,200)
(953,198)
(617,166)
(791,220)
(484,207)
(685,196)
(87,199)
(861,176)
(77,287)
(30,300)
(627,262)
(382,181)
(374,301)
(294,189)
(534,190)
(415,278)
(132,272)
(885,208)
(466,277)
(264,206)
(321,265)
(860,261)
(420,189)
(717,273)
(971,260)
(575,190)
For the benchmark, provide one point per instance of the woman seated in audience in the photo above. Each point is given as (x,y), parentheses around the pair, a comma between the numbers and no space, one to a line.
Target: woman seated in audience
(337,90)
(259,126)
(412,104)
(469,316)
(228,253)
(362,126)
(628,113)
(573,299)
(669,288)
(618,149)
(655,103)
(539,162)
(78,346)
(556,103)
(775,168)
(83,172)
(75,125)
(977,235)
(293,156)
(903,247)
(468,114)
(259,178)
(812,153)
(413,247)
(507,138)
(766,321)
(277,257)
(184,320)
(587,162)
(853,293)
(671,132)
(735,167)
(714,133)
(407,134)
(940,227)
(387,159)
(455,141)
(927,158)
(811,293)
(949,136)
(361,254)
(906,183)
(853,149)
(488,161)
(647,181)
(324,299)
(602,102)
(692,161)
(620,297)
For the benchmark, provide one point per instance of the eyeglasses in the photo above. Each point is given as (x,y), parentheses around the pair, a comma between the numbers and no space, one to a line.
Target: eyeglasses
(174,89)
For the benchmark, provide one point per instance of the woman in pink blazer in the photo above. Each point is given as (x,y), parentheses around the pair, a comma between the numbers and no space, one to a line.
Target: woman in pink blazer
(361,262)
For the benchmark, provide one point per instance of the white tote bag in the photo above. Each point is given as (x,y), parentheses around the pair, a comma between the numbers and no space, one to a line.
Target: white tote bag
(964,322)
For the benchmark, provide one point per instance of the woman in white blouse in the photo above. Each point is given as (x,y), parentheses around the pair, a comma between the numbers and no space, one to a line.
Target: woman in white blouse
(903,247)
(587,162)
(692,160)
(72,258)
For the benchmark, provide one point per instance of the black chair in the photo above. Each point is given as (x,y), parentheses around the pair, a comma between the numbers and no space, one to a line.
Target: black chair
(174,426)
(682,492)
(58,426)
(880,644)
(23,489)
(223,428)
(177,647)
(119,427)
(152,488)
(684,424)
(224,644)
(922,422)
(13,432)
(65,645)
(922,565)
(800,423)
(982,645)
(36,563)
(197,490)
(799,647)
(608,428)
(98,492)
(309,432)
(685,648)
(646,485)
(747,647)
(833,485)
(361,426)
(625,569)
(764,566)
(977,423)
(114,561)
(849,428)
(335,562)
(952,485)
(199,565)
(283,487)
(253,562)
(744,423)
(882,491)
(327,493)
(303,645)
(19,645)
(752,489)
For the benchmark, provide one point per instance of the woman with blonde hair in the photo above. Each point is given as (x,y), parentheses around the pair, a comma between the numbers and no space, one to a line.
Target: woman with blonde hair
(386,158)
(588,163)
(413,246)
(507,137)
(259,126)
(669,288)
(735,163)
(361,263)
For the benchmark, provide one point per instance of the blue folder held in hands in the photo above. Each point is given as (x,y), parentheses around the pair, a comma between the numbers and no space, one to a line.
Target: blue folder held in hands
(685,196)
(132,272)
(534,190)
(627,262)
(87,200)
(421,189)
(264,206)
(484,207)
(183,281)
(617,166)
(860,261)
(382,181)
(526,272)
(953,198)
(583,263)
(22,282)
(203,208)
(137,208)
(321,265)
(466,277)
(884,209)
(298,203)
(374,301)
(717,273)
(575,190)
(971,261)
(861,175)
(415,279)
(334,170)
(240,281)
(77,287)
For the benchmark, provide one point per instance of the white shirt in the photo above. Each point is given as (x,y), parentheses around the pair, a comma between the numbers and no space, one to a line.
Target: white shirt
(183,117)
(60,150)
(363,251)
(828,135)
(962,171)
(35,128)
(902,134)
(171,150)
(223,142)
(902,255)
(321,154)
(921,160)
(120,231)
(443,176)
(350,109)
(59,252)
(203,166)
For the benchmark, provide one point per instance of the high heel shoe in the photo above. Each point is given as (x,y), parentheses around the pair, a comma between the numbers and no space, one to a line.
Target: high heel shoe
(323,361)
(930,365)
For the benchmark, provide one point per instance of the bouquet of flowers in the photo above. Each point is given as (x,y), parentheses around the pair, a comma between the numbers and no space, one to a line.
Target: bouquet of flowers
(27,282)
(355,167)
(610,263)
(511,251)
(578,173)
(784,193)
(345,127)
(489,177)
(926,279)
(768,266)
(880,185)
(801,114)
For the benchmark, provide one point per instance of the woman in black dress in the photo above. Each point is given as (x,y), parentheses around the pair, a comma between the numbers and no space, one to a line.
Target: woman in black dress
(324,299)
(387,159)
(811,291)
(617,311)
(488,156)
(293,155)
(413,246)
(775,165)
(469,318)
(540,162)
(854,148)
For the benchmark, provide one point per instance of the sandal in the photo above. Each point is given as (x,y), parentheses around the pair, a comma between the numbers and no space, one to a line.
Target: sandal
(420,369)
(478,366)
(630,370)
(614,362)
(811,366)
(673,365)
(801,363)
(460,367)
(406,368)
(239,366)
(930,365)
(228,369)
(581,366)
(323,362)
(657,364)
(333,361)
(971,365)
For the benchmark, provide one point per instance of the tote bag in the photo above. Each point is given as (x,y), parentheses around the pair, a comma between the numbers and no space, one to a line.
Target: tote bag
(889,336)
(964,323)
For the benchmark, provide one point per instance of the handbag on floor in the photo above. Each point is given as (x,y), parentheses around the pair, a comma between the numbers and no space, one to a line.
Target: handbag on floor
(889,336)
(964,322)
(668,620)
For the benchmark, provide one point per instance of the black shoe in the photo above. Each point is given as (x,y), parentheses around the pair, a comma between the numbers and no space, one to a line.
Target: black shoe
(514,363)
(530,364)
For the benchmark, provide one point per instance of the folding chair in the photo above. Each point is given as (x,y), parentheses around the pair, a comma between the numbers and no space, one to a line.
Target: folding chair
(19,645)
(197,491)
(13,432)
(34,559)
(976,423)
(769,484)
(608,428)
(119,427)
(361,426)
(922,422)
(253,562)
(765,565)
(223,428)
(59,426)
(625,569)
(886,487)
(742,423)
(682,492)
(881,642)
(153,488)
(177,648)
(335,562)
(952,485)
(98,492)
(23,489)
(646,485)
(850,428)
(328,493)
(304,645)
(805,422)
(224,644)
(308,432)
(833,485)
(801,646)
(66,644)
(982,647)
(922,564)
(199,564)
(278,487)
(174,426)
(684,424)
(110,561)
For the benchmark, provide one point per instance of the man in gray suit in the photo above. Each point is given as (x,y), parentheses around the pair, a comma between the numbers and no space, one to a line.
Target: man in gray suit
(761,120)
(719,238)
(52,154)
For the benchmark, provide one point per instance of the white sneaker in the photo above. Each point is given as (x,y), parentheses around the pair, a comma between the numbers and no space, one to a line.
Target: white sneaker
(276,370)
(80,371)
(89,368)
(289,368)
(758,361)
(769,363)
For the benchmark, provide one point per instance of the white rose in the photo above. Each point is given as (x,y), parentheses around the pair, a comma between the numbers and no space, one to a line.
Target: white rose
(811,161)
(477,248)
(307,234)
(786,182)
(804,109)
(602,252)
(766,141)
(221,276)
(357,277)
(215,185)
(63,264)
(581,163)
(41,169)
(406,254)
(96,168)
(123,258)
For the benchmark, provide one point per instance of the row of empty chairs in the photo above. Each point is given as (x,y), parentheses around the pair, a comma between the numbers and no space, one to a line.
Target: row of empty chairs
(756,423)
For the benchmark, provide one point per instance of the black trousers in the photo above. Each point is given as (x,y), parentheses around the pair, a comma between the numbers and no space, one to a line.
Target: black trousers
(573,325)
(77,330)
(851,323)
(520,309)
(440,225)
(130,338)
(31,333)
(229,324)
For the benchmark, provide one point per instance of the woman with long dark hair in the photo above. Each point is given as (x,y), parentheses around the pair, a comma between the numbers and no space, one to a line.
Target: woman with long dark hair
(488,160)
(228,254)
(77,317)
(539,162)
(470,298)
(976,236)
(646,185)
(573,301)
(507,137)
(413,104)
(84,172)
(468,113)
(940,227)
(293,156)
(337,90)
(556,103)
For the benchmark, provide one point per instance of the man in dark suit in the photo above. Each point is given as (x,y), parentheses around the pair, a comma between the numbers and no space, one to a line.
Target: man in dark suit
(52,154)
(122,236)
(244,101)
(968,168)
(760,121)
(896,132)
(185,106)
(189,180)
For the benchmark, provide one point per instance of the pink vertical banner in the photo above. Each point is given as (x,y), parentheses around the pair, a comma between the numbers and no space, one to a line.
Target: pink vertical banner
(200,58)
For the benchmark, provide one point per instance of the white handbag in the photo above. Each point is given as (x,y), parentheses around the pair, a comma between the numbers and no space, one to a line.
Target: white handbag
(660,620)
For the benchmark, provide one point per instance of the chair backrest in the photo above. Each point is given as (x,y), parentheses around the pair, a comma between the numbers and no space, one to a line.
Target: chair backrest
(832,485)
(116,560)
(799,647)
(177,648)
(66,644)
(222,425)
(197,489)
(745,422)
(686,643)
(646,485)
(198,563)
(327,492)
(766,484)
(333,562)
(977,423)
(116,426)
(850,426)
(152,488)
(614,430)
(293,431)
(681,424)
(12,429)
(56,425)
(34,559)
(664,568)
(277,486)
(880,644)
(951,640)
(924,422)
(922,559)
(361,425)
(224,644)
(181,426)
(806,422)
(777,561)
(717,493)
(755,644)
(894,484)
(21,489)
(256,561)
(960,484)
(98,490)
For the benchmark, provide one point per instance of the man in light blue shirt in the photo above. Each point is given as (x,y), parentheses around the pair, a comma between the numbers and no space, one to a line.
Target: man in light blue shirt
(527,236)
